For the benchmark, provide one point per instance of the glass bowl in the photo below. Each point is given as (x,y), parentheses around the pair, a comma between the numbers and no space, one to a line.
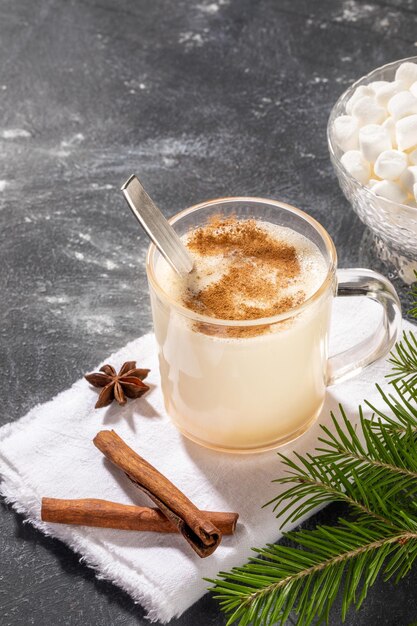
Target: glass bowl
(393,225)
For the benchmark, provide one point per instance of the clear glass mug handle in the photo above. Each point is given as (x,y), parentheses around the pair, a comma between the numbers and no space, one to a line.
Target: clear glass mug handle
(362,282)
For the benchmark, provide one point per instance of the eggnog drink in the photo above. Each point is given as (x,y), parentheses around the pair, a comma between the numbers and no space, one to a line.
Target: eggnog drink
(233,385)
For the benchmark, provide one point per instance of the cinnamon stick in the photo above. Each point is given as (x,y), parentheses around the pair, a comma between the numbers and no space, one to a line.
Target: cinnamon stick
(105,514)
(202,535)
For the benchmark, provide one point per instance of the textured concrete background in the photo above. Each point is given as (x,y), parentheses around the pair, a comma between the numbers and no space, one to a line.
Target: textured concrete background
(201,98)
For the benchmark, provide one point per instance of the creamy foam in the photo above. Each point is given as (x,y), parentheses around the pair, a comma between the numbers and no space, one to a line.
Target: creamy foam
(254,286)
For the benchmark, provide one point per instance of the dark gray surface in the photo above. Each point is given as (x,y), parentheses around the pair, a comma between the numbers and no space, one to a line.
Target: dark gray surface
(201,99)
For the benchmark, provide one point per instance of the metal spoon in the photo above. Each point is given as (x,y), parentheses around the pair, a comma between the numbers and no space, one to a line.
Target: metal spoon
(157,227)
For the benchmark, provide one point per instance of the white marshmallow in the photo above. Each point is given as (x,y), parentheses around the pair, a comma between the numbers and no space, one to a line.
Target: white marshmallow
(402,104)
(407,72)
(413,89)
(385,93)
(409,178)
(356,165)
(367,111)
(390,164)
(389,190)
(360,92)
(346,132)
(406,132)
(389,124)
(373,140)
(412,157)
(377,85)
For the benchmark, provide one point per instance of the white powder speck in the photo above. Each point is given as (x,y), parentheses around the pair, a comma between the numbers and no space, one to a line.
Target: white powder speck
(390,21)
(85,236)
(168,161)
(134,85)
(98,323)
(354,11)
(191,40)
(208,8)
(174,147)
(100,187)
(3,185)
(110,265)
(56,299)
(75,140)
(320,79)
(79,256)
(14,133)
(28,220)
(4,87)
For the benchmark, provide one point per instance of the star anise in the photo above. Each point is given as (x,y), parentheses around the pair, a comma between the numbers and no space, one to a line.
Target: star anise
(126,384)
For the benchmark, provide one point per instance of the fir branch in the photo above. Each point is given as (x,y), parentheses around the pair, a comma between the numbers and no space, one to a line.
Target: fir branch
(321,485)
(283,579)
(364,472)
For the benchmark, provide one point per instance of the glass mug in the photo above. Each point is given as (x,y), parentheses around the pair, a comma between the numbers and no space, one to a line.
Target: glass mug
(261,388)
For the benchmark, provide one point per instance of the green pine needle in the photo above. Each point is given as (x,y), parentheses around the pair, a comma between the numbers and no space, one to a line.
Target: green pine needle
(373,469)
(404,360)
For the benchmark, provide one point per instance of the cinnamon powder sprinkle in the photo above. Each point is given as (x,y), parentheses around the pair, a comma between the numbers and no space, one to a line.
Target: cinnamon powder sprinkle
(259,267)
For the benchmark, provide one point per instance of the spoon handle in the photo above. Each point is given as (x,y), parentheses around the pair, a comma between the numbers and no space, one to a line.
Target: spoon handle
(157,226)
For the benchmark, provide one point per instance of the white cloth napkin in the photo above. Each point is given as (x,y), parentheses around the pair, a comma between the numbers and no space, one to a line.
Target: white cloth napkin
(49,452)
